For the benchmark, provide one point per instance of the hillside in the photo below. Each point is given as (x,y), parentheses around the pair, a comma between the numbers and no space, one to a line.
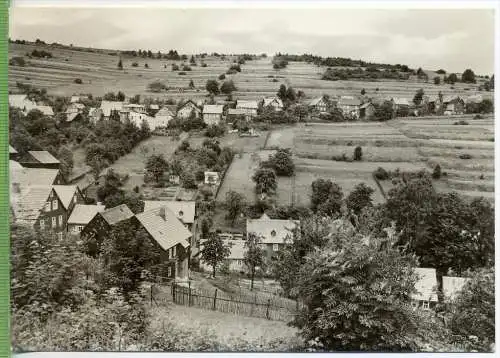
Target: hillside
(99,74)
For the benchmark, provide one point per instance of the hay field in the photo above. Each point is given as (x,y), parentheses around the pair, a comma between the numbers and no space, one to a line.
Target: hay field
(99,74)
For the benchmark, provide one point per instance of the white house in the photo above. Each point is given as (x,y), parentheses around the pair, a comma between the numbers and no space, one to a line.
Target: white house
(212,113)
(273,102)
(212,178)
(22,102)
(249,108)
(187,108)
(163,116)
(350,106)
(109,106)
(426,288)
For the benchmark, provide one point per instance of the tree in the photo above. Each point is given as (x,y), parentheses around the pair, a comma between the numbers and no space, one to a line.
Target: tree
(212,87)
(65,156)
(191,84)
(120,96)
(383,112)
(358,153)
(188,180)
(437,80)
(468,76)
(97,164)
(281,162)
(206,225)
(228,87)
(363,92)
(253,256)
(156,166)
(441,72)
(214,251)
(359,198)
(417,99)
(436,173)
(120,65)
(192,60)
(265,181)
(282,93)
(451,79)
(473,311)
(235,203)
(326,198)
(356,292)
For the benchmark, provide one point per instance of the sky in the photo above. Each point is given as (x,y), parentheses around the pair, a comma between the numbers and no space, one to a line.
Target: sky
(452,39)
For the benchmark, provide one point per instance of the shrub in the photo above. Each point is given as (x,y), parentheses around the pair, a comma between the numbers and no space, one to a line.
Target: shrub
(204,64)
(78,81)
(182,73)
(274,80)
(17,61)
(358,153)
(481,177)
(146,65)
(175,67)
(381,174)
(235,67)
(135,64)
(41,54)
(186,68)
(478,116)
(436,174)
(461,123)
(231,72)
(215,131)
(465,156)
(222,77)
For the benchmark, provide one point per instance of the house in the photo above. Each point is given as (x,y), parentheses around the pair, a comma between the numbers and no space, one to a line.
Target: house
(272,232)
(400,103)
(14,165)
(22,102)
(73,117)
(101,224)
(35,176)
(366,111)
(39,159)
(81,216)
(273,102)
(212,178)
(185,211)
(154,107)
(453,105)
(319,104)
(107,107)
(174,179)
(188,107)
(235,258)
(171,236)
(138,118)
(164,115)
(75,107)
(75,99)
(13,154)
(139,108)
(426,288)
(452,286)
(46,110)
(350,106)
(212,114)
(249,107)
(234,114)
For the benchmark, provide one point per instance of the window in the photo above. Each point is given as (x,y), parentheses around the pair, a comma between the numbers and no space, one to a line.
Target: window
(169,272)
(425,305)
(47,206)
(42,224)
(53,222)
(60,221)
(275,247)
(181,213)
(273,233)
(54,205)
(79,228)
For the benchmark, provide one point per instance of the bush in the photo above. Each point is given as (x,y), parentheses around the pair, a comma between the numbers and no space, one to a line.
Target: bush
(436,174)
(478,116)
(235,67)
(231,72)
(222,77)
(381,174)
(186,68)
(465,156)
(215,131)
(182,73)
(41,54)
(358,153)
(175,67)
(461,123)
(135,64)
(17,61)
(204,64)
(78,81)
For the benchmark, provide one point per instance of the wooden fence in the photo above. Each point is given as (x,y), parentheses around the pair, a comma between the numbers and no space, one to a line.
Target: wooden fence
(273,309)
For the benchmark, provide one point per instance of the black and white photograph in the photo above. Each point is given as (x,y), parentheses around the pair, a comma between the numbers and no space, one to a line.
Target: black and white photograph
(252,179)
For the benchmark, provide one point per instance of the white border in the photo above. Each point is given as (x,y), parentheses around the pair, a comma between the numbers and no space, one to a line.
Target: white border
(276,4)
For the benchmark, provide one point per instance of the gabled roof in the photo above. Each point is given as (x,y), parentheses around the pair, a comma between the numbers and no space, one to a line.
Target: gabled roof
(269,100)
(14,165)
(247,104)
(21,101)
(236,112)
(401,101)
(65,193)
(165,112)
(212,109)
(117,214)
(366,105)
(271,231)
(27,201)
(425,285)
(33,176)
(451,98)
(349,101)
(316,101)
(70,117)
(183,210)
(193,103)
(43,156)
(453,285)
(166,230)
(77,98)
(46,110)
(82,214)
(108,106)
(12,150)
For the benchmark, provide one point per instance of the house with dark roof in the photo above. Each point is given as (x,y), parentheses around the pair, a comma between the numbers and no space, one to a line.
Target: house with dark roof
(39,159)
(184,111)
(81,216)
(453,105)
(273,233)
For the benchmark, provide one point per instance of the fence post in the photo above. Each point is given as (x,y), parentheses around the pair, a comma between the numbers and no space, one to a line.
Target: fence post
(151,295)
(189,297)
(267,309)
(215,299)
(297,305)
(173,291)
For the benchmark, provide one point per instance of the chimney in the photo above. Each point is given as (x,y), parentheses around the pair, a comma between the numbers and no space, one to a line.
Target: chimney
(162,213)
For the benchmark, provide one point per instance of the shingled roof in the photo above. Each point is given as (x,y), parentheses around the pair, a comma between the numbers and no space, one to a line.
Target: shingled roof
(212,109)
(33,176)
(271,231)
(82,214)
(65,193)
(184,210)
(117,214)
(43,156)
(27,201)
(164,228)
